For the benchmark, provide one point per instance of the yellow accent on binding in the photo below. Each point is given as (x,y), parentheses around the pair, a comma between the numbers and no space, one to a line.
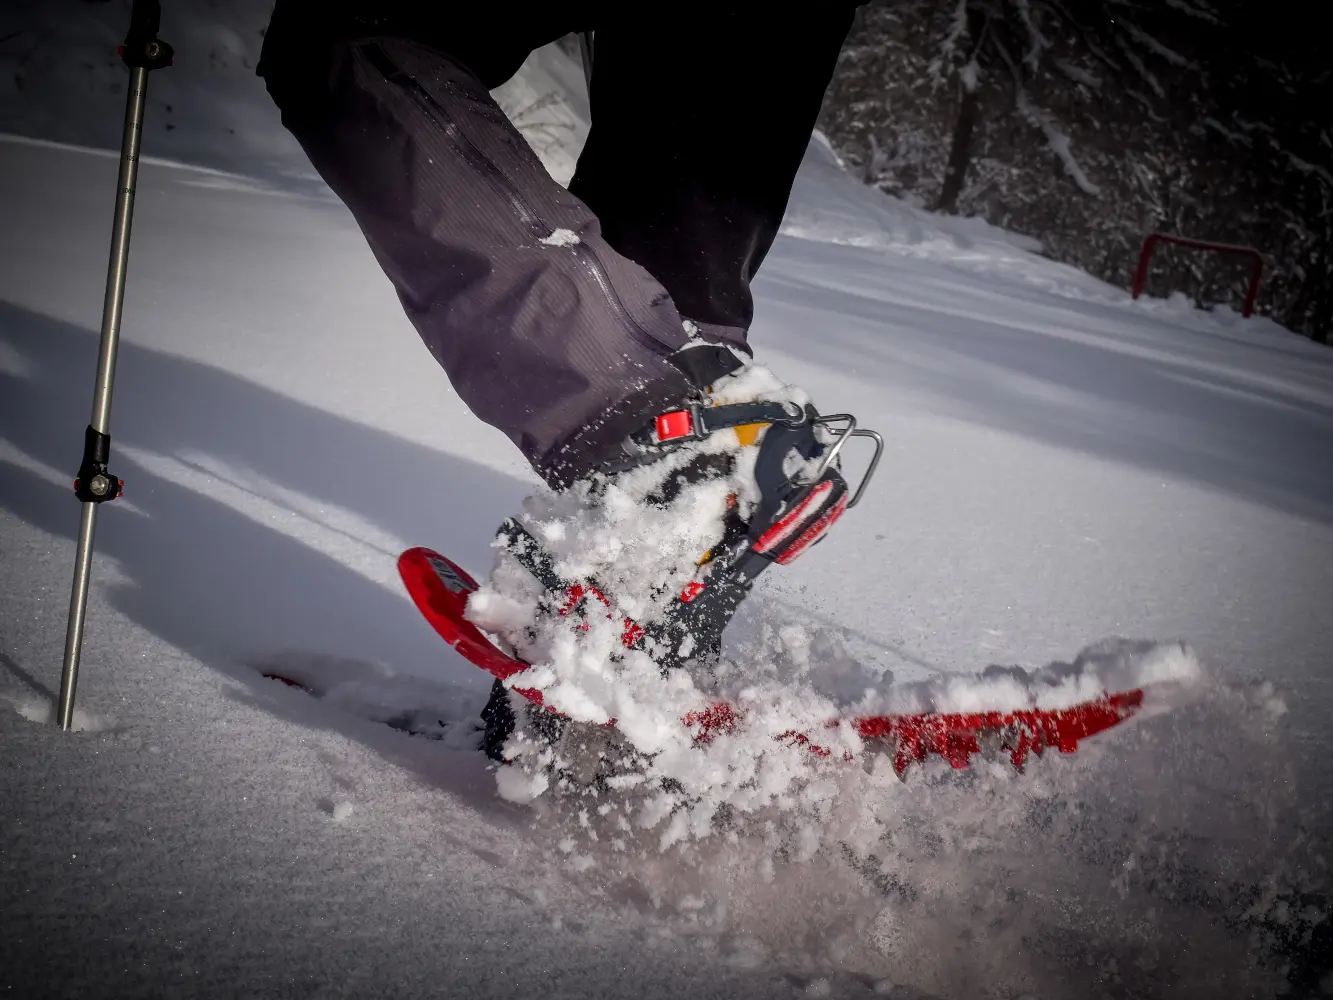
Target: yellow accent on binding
(705,557)
(748,434)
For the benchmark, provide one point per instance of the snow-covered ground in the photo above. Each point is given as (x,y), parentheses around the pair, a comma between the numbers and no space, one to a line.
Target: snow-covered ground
(1062,465)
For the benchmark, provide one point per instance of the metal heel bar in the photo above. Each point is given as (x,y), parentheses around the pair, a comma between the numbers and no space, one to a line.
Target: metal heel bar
(831,453)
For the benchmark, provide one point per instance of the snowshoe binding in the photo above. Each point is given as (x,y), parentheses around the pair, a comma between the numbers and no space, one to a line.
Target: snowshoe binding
(666,537)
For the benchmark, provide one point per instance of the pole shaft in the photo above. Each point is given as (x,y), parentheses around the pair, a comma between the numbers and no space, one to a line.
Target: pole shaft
(114,302)
(112,307)
(78,606)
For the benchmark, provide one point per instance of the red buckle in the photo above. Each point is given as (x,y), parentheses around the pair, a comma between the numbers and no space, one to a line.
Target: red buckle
(676,424)
(692,590)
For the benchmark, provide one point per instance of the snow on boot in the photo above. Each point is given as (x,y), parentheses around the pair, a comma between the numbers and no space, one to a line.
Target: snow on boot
(653,553)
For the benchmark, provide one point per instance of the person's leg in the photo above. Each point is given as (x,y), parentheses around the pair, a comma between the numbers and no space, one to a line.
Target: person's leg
(544,330)
(700,119)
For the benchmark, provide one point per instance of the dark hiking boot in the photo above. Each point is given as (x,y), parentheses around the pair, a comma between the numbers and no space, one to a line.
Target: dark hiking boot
(665,539)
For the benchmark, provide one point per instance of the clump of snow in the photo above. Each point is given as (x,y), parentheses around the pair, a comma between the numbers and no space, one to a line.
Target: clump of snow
(561,238)
(1107,666)
(1274,706)
(518,785)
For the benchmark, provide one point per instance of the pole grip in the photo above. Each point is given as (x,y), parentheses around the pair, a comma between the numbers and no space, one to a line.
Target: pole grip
(142,47)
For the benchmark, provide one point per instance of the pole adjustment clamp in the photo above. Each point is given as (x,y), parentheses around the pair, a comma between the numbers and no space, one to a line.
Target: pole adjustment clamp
(95,484)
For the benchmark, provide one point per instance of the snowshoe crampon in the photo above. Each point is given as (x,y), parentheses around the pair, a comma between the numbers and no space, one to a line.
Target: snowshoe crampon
(440,589)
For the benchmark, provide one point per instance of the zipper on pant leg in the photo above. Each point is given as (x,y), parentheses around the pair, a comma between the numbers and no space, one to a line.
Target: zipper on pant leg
(510,191)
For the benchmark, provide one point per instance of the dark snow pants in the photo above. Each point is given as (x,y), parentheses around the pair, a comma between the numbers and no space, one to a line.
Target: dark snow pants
(700,118)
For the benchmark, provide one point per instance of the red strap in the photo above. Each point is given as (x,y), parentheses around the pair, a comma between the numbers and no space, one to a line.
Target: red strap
(676,424)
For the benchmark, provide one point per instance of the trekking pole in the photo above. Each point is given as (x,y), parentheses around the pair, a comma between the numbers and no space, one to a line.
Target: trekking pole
(142,52)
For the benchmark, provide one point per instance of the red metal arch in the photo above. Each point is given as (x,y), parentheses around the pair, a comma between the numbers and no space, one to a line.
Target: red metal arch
(1150,243)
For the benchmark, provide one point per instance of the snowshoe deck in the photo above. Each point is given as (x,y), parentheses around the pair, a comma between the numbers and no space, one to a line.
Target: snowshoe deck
(440,588)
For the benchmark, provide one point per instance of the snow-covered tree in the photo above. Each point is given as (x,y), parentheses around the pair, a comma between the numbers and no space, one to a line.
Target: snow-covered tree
(1089,124)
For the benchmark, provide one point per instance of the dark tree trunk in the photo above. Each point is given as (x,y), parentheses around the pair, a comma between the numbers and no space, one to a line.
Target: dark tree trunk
(1323,295)
(969,109)
(960,151)
(1323,318)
